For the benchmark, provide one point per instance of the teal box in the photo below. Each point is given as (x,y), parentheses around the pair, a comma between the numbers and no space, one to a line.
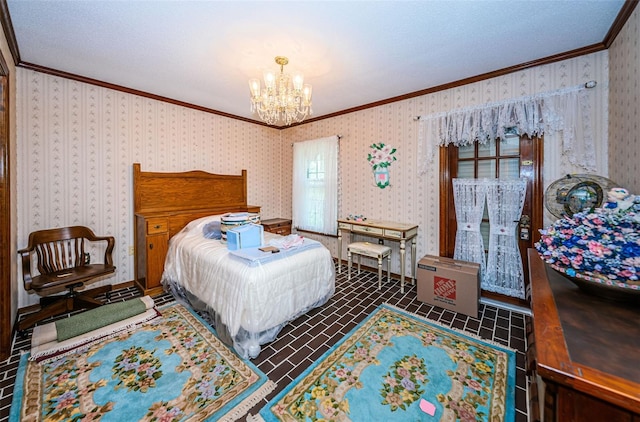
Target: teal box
(245,236)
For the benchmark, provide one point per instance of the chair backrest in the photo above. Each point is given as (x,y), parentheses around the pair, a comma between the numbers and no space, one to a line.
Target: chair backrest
(61,249)
(60,255)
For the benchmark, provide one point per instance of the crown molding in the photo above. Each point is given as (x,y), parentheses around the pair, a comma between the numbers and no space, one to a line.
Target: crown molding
(624,14)
(9,33)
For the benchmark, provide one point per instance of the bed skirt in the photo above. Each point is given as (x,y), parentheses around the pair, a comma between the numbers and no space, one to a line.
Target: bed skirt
(248,345)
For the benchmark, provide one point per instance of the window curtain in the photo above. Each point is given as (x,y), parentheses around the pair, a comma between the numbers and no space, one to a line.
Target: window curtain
(566,111)
(315,185)
(469,199)
(504,274)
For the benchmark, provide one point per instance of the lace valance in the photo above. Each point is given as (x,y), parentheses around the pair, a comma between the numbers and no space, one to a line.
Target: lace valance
(566,111)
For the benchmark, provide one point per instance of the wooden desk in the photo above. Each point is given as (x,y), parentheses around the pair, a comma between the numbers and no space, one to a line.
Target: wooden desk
(389,230)
(584,348)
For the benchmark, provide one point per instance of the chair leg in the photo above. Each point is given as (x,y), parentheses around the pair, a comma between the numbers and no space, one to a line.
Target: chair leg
(51,306)
(401,280)
(348,264)
(98,291)
(65,304)
(379,272)
(85,302)
(359,260)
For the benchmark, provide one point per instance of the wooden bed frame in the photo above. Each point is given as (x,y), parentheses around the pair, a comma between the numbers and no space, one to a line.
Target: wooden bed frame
(163,203)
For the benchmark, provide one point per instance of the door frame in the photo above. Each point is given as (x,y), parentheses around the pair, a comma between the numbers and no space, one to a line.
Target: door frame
(533,147)
(6,317)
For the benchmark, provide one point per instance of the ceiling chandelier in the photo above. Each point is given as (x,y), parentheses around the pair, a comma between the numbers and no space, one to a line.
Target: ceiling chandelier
(283,99)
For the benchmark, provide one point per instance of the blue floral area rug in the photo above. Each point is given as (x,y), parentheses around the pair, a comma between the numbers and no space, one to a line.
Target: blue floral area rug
(172,368)
(396,366)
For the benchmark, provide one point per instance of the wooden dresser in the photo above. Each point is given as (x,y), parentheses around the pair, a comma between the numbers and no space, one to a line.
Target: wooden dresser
(584,349)
(281,226)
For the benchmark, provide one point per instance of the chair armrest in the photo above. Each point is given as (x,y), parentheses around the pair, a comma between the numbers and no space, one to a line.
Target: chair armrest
(91,236)
(108,258)
(27,277)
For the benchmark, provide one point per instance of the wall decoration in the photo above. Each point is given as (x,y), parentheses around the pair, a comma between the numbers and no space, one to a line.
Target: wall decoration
(380,158)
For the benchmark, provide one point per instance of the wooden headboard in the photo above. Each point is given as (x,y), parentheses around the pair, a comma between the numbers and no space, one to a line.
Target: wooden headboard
(187,191)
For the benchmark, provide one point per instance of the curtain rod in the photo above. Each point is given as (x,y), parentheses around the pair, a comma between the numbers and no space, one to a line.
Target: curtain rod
(339,137)
(588,85)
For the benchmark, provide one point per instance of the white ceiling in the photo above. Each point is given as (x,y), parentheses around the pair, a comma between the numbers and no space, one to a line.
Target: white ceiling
(352,52)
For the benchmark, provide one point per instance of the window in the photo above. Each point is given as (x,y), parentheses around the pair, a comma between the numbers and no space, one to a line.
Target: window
(315,185)
(508,158)
(491,160)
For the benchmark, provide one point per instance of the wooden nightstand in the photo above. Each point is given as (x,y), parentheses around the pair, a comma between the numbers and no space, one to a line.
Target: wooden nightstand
(280,226)
(152,244)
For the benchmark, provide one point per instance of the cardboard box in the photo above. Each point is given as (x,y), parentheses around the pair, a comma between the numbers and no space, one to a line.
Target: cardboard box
(449,284)
(246,236)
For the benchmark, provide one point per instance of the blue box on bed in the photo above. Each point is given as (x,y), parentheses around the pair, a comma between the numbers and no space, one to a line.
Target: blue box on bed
(246,236)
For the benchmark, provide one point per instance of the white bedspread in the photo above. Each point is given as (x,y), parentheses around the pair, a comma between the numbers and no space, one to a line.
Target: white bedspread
(252,297)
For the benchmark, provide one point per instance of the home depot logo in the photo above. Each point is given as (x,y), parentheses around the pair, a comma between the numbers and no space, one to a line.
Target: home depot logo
(444,288)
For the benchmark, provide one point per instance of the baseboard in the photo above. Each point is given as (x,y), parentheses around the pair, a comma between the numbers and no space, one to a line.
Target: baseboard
(506,305)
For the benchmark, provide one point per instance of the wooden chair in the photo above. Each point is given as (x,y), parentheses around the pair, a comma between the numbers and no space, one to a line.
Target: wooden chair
(63,264)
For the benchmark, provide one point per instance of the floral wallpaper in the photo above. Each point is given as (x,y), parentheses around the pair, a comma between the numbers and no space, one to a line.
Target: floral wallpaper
(413,197)
(77,142)
(624,106)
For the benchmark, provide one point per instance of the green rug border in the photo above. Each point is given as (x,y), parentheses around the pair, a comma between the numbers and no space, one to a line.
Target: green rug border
(225,412)
(266,415)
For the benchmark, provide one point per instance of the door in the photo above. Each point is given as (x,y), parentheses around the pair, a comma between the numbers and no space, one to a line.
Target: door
(512,157)
(6,257)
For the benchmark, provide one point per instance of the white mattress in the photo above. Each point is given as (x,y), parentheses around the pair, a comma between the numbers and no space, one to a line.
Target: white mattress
(255,298)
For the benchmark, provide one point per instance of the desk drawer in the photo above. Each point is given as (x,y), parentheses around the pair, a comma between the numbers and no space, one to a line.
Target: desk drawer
(282,231)
(344,226)
(367,230)
(393,233)
(157,225)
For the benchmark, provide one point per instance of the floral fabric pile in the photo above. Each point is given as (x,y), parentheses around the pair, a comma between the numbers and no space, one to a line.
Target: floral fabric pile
(602,244)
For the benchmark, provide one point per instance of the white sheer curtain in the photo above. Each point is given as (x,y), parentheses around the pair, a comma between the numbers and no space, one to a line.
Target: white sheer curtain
(469,198)
(315,185)
(566,111)
(504,273)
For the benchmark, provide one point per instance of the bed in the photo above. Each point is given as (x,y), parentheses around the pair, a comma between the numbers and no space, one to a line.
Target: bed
(248,299)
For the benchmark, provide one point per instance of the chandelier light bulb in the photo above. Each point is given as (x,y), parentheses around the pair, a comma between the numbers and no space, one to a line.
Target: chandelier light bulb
(298,80)
(269,79)
(254,86)
(306,94)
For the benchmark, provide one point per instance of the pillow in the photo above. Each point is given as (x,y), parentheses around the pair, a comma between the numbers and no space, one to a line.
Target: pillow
(198,223)
(212,230)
